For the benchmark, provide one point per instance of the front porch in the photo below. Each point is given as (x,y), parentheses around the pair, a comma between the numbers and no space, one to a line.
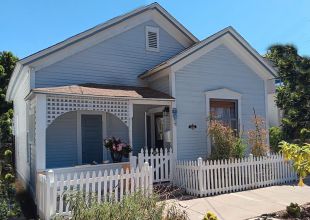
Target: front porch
(68,124)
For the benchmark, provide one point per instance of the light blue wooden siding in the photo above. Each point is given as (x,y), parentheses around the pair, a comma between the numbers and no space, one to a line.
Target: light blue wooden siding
(161,84)
(220,68)
(118,60)
(61,141)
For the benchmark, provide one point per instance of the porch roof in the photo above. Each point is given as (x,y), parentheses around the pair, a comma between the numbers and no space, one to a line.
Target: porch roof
(130,92)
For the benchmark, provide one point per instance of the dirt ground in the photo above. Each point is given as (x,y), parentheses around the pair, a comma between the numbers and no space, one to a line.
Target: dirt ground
(26,202)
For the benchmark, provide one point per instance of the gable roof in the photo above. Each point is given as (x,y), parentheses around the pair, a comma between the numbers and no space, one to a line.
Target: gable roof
(91,89)
(196,47)
(64,45)
(92,31)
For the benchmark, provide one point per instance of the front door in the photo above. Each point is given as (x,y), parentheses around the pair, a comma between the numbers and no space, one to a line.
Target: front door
(159,130)
(92,148)
(154,130)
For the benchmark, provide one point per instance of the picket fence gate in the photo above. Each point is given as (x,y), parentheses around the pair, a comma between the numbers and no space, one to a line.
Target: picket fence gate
(203,178)
(53,190)
(161,161)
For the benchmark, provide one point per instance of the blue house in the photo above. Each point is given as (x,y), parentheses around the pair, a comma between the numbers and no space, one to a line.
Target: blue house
(142,77)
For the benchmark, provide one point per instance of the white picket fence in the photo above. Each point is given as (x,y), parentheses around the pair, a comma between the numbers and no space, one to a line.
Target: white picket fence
(53,189)
(161,161)
(203,178)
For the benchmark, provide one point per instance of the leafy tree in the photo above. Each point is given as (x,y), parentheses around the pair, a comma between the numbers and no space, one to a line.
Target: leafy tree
(293,93)
(7,64)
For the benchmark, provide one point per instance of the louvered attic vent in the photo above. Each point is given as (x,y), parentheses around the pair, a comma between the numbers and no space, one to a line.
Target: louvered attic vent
(152,39)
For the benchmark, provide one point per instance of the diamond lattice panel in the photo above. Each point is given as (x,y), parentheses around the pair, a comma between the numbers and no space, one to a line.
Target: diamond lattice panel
(58,105)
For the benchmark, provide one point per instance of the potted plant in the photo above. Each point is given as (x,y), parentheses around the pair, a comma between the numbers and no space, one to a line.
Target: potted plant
(117,148)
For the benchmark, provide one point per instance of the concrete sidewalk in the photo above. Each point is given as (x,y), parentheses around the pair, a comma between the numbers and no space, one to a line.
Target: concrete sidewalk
(246,204)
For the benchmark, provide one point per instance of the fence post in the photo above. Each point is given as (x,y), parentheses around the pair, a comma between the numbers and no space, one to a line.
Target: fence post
(148,180)
(140,158)
(200,185)
(50,179)
(253,169)
(132,160)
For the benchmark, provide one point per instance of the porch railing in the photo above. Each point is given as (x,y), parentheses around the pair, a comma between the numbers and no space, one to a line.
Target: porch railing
(203,178)
(53,189)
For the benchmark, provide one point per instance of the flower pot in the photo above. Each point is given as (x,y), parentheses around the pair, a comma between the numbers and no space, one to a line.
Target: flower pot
(116,157)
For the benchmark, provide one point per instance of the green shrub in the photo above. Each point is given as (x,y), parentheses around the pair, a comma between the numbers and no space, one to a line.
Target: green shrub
(300,155)
(225,143)
(132,207)
(239,148)
(174,213)
(275,136)
(8,153)
(9,178)
(8,206)
(210,216)
(293,210)
(305,135)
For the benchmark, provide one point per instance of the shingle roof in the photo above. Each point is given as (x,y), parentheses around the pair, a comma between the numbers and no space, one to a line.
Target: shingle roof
(105,90)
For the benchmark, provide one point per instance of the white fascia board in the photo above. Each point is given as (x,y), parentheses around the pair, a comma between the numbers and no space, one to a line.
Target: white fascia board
(253,52)
(172,30)
(179,26)
(19,74)
(12,81)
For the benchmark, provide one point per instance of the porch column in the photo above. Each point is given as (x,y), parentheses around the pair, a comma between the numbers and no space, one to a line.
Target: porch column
(130,116)
(173,125)
(40,132)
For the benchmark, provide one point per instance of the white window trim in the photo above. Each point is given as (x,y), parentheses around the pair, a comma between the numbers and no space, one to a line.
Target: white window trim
(151,29)
(222,94)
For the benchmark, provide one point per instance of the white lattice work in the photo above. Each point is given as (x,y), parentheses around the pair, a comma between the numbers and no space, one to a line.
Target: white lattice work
(58,105)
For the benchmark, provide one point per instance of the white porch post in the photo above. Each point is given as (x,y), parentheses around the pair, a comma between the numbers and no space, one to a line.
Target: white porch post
(40,132)
(173,125)
(173,107)
(130,116)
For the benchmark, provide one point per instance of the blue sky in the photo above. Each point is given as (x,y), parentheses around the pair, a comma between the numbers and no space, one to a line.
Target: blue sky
(31,25)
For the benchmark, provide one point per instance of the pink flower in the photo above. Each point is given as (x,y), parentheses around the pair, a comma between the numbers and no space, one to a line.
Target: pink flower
(119,147)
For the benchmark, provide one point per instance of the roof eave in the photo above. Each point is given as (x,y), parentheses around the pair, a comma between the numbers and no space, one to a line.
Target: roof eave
(33,92)
(13,80)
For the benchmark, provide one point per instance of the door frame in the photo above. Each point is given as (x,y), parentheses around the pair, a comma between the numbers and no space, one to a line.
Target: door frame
(79,131)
